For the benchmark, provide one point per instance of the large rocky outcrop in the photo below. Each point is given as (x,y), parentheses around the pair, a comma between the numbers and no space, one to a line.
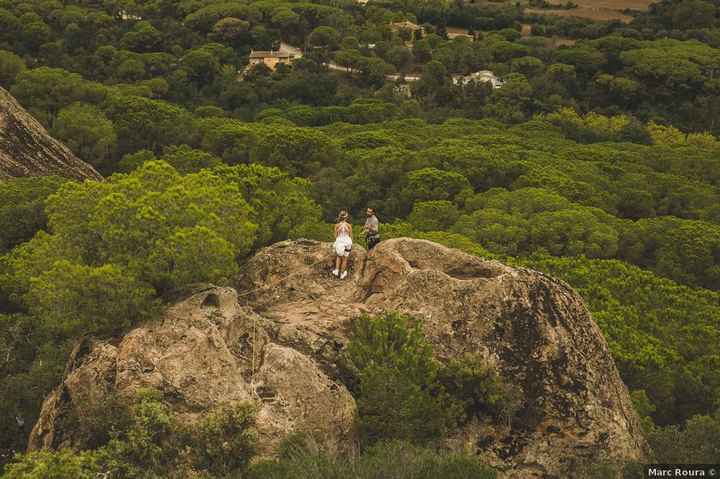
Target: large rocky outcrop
(275,340)
(26,149)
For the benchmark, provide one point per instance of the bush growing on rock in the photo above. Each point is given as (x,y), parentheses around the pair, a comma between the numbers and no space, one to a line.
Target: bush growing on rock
(481,391)
(140,438)
(148,447)
(225,439)
(64,464)
(397,392)
(138,446)
(396,459)
(405,394)
(95,423)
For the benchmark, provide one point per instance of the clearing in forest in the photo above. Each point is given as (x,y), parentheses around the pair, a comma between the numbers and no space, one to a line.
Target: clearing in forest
(596,9)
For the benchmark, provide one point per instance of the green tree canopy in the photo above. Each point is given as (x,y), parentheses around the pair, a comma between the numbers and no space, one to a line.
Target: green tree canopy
(10,67)
(22,208)
(88,132)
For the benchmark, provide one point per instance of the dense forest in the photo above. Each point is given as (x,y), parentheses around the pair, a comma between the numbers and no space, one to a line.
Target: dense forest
(597,161)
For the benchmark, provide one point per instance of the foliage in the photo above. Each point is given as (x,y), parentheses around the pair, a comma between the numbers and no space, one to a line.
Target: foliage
(141,221)
(433,215)
(396,381)
(147,448)
(64,464)
(479,389)
(88,132)
(188,160)
(32,364)
(282,206)
(686,251)
(187,252)
(696,442)
(74,299)
(603,171)
(145,123)
(140,438)
(593,127)
(95,421)
(10,67)
(225,439)
(45,91)
(395,459)
(21,208)
(658,332)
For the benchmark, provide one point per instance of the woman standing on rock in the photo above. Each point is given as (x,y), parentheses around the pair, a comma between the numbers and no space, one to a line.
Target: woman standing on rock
(343,244)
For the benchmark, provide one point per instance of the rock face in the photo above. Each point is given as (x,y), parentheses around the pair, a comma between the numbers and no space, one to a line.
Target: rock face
(26,149)
(276,338)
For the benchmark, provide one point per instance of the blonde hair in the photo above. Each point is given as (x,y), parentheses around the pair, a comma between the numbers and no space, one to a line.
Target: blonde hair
(343,216)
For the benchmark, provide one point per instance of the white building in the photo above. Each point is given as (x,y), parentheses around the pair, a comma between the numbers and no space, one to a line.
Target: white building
(126,16)
(482,76)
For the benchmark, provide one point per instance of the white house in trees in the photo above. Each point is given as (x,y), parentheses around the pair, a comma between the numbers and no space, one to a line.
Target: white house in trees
(482,76)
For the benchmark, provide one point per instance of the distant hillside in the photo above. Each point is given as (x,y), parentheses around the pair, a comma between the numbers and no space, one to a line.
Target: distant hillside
(26,148)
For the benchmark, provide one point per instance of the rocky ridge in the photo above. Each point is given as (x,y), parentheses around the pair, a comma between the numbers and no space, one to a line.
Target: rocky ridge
(276,338)
(26,148)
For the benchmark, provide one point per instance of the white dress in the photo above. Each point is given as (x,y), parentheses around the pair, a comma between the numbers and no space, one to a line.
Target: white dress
(343,242)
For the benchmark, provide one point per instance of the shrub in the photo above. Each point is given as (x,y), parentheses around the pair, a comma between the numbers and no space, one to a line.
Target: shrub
(396,459)
(402,460)
(151,429)
(225,439)
(698,442)
(143,440)
(148,448)
(480,390)
(94,423)
(63,464)
(395,380)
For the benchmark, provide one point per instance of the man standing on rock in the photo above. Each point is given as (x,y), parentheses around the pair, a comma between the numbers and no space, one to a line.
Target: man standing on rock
(371,229)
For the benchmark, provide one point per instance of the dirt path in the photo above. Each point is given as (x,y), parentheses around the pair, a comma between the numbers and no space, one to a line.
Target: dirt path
(394,77)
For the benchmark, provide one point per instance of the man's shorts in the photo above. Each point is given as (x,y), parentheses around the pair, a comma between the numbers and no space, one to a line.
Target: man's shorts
(372,241)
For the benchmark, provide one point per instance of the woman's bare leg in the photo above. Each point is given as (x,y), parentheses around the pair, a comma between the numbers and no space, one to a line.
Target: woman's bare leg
(344,261)
(337,262)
